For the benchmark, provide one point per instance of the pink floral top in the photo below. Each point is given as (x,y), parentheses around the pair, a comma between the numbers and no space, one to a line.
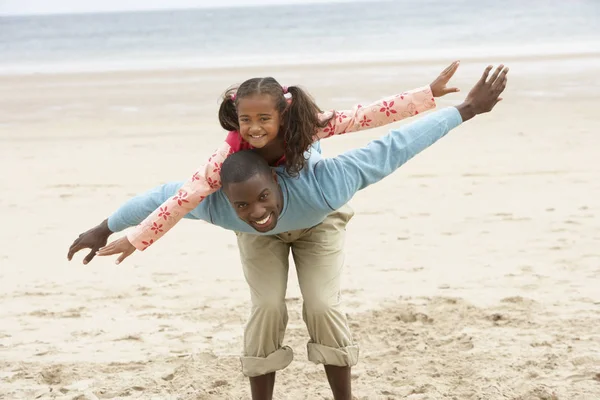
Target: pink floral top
(206,179)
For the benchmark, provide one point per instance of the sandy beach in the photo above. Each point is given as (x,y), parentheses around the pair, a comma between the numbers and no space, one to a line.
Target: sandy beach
(472,273)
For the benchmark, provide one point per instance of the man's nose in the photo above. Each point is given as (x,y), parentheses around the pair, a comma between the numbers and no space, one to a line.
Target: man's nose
(257,212)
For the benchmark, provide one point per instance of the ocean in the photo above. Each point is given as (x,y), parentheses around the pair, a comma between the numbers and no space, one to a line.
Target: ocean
(398,30)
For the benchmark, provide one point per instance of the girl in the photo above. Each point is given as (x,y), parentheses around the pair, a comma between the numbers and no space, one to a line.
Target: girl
(280,123)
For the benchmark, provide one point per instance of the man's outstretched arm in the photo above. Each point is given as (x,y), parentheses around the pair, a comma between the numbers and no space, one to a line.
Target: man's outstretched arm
(341,177)
(129,214)
(135,210)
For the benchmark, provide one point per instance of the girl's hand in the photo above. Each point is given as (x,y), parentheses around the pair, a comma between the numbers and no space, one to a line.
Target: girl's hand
(438,86)
(120,246)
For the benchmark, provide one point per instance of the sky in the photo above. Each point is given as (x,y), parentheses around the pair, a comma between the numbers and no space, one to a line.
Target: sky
(27,7)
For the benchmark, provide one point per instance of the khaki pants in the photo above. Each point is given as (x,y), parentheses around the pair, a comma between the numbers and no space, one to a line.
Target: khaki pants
(318,253)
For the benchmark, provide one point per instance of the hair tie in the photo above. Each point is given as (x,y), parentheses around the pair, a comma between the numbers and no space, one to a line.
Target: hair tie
(285,89)
(233,96)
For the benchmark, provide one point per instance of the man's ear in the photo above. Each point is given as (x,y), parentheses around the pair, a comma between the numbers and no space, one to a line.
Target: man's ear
(274,175)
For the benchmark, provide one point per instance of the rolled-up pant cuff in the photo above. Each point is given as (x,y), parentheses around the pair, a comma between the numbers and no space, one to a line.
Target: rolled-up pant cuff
(276,361)
(342,357)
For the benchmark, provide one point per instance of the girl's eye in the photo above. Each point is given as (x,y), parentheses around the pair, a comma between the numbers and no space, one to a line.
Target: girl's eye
(265,119)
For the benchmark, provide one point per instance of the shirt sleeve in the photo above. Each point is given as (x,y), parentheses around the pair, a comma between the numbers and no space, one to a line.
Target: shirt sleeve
(382,112)
(342,176)
(138,208)
(205,181)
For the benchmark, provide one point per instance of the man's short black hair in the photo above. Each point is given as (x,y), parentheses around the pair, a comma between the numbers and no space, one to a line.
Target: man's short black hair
(243,165)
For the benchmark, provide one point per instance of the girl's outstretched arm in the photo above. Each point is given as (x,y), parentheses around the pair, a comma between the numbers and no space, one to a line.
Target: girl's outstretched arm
(206,180)
(388,110)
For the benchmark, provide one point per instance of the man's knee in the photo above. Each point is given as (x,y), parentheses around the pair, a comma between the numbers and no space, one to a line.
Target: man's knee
(268,305)
(319,304)
(265,328)
(270,315)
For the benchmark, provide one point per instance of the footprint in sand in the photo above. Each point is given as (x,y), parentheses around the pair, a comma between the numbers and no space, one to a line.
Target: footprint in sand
(219,383)
(69,313)
(517,300)
(52,375)
(526,268)
(540,393)
(410,317)
(529,287)
(132,338)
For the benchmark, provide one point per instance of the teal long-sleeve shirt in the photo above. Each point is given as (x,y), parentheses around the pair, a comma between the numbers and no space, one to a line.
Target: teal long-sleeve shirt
(322,186)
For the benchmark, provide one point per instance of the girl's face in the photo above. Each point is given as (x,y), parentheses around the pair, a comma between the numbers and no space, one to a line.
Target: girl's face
(259,119)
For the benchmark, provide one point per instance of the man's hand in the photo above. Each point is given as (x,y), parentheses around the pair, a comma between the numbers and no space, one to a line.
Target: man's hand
(485,94)
(120,246)
(438,86)
(93,239)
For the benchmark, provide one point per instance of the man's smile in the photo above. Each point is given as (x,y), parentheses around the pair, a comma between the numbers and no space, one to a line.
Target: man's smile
(265,222)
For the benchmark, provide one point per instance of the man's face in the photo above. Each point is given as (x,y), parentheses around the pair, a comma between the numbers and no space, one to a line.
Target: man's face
(257,201)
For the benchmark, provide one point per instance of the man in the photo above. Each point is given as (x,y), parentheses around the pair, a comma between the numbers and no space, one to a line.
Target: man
(272,212)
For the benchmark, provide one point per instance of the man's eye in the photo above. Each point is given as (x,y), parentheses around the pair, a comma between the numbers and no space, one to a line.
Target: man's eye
(264,196)
(241,206)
